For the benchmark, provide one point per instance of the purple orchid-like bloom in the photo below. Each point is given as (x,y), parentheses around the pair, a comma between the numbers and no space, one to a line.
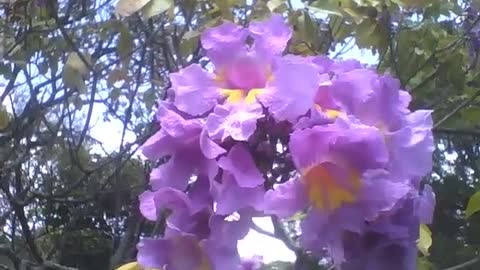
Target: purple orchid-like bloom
(379,102)
(391,241)
(245,78)
(342,183)
(186,251)
(195,238)
(190,150)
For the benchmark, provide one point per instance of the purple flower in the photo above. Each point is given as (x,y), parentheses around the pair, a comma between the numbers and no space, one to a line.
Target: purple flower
(377,101)
(332,158)
(342,183)
(245,75)
(189,213)
(389,243)
(379,195)
(186,251)
(190,150)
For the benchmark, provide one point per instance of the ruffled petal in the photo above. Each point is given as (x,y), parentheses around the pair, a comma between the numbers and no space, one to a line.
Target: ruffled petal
(239,123)
(195,90)
(411,147)
(241,165)
(209,148)
(286,199)
(292,91)
(271,36)
(230,197)
(222,43)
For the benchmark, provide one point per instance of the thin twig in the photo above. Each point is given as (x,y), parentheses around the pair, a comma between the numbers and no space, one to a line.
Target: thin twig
(457,109)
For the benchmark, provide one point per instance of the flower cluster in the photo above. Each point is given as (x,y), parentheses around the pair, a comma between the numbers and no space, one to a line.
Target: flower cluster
(265,134)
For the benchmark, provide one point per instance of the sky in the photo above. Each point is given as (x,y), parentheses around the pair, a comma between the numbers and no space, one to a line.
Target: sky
(254,243)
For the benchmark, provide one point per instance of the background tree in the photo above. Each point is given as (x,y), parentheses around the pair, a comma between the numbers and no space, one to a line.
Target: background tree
(69,200)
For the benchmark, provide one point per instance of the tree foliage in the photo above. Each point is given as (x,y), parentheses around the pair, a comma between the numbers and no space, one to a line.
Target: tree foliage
(70,67)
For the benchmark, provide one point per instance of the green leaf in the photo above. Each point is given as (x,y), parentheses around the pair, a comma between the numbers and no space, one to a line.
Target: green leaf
(424,264)
(306,28)
(156,7)
(189,42)
(473,205)
(370,34)
(425,240)
(128,7)
(333,7)
(115,93)
(340,29)
(125,43)
(4,118)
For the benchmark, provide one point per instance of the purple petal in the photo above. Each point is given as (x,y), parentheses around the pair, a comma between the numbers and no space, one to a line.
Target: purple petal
(221,41)
(353,88)
(228,232)
(426,205)
(374,251)
(195,90)
(199,194)
(148,208)
(175,174)
(241,165)
(236,122)
(159,145)
(350,141)
(412,146)
(184,223)
(345,66)
(323,63)
(209,148)
(320,231)
(294,88)
(178,253)
(271,36)
(153,252)
(230,197)
(222,256)
(175,125)
(380,193)
(286,199)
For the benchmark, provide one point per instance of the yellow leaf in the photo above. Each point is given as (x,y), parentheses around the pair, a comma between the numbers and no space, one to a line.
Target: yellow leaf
(76,63)
(414,3)
(75,71)
(473,205)
(130,266)
(128,7)
(273,5)
(425,239)
(156,7)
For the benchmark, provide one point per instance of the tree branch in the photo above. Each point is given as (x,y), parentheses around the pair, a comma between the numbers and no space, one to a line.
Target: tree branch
(465,264)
